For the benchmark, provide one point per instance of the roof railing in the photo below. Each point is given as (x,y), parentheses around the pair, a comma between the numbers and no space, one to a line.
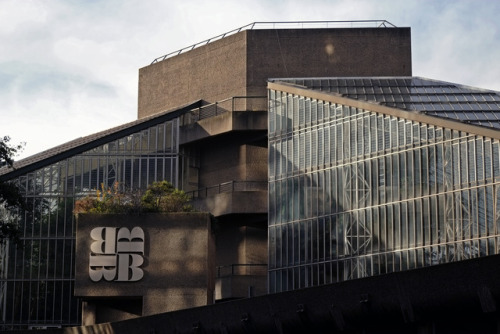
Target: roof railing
(235,103)
(242,269)
(228,187)
(284,25)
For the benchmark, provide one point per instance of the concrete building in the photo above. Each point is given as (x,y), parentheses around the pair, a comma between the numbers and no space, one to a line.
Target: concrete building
(203,125)
(224,145)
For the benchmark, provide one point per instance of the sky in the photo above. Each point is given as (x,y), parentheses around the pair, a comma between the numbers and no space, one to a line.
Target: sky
(69,68)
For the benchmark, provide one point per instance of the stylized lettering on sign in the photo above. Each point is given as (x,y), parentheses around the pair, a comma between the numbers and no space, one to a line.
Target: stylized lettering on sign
(116,254)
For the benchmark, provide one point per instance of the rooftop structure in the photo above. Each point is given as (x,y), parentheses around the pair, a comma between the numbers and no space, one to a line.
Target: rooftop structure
(284,25)
(239,63)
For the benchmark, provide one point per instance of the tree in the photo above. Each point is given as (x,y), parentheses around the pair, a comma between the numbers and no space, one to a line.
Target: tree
(10,196)
(164,197)
(8,152)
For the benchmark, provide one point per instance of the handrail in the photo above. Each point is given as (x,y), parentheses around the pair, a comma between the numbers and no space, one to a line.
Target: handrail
(235,103)
(285,24)
(228,187)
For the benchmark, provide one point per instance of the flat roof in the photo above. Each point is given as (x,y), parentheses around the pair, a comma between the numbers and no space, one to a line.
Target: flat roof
(284,25)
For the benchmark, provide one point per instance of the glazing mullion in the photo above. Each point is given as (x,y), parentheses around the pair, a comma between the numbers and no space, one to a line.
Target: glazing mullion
(489,217)
(390,230)
(380,232)
(396,182)
(488,160)
(417,175)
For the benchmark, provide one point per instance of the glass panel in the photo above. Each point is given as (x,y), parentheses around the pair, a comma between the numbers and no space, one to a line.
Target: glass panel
(45,260)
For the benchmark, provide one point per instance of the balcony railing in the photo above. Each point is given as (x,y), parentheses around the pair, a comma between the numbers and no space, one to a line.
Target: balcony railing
(235,103)
(242,270)
(228,187)
(284,25)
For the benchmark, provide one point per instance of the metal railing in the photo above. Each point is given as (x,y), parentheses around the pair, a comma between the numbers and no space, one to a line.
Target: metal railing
(284,25)
(235,103)
(228,187)
(242,270)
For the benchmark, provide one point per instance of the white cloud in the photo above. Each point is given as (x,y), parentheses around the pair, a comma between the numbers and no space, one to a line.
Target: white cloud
(69,68)
(18,14)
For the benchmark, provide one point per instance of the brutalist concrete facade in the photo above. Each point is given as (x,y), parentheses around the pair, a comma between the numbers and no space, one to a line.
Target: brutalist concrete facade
(169,264)
(230,149)
(240,64)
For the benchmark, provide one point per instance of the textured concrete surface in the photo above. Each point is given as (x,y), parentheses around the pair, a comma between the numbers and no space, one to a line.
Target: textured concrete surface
(239,65)
(179,266)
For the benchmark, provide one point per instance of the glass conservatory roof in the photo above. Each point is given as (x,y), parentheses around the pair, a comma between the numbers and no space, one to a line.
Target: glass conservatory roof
(82,144)
(436,98)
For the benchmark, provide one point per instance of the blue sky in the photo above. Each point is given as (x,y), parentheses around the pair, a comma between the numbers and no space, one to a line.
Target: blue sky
(69,68)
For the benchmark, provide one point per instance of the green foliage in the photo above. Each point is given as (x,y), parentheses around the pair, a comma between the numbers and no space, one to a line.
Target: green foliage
(159,197)
(9,226)
(163,197)
(106,200)
(7,152)
(10,196)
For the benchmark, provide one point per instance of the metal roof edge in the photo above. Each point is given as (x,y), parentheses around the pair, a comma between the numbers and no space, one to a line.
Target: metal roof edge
(393,111)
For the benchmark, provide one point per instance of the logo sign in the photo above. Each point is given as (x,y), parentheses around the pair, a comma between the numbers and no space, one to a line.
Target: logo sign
(116,254)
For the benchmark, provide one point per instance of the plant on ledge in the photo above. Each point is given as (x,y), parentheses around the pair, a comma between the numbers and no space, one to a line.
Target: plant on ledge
(160,196)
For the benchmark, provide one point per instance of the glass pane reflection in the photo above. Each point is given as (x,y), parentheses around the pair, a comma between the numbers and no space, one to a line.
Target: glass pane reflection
(396,195)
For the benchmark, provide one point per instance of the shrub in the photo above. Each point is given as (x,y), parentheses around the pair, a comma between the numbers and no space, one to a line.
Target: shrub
(159,197)
(164,197)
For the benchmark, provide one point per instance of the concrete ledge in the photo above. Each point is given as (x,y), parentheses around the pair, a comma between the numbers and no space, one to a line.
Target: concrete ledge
(233,203)
(226,122)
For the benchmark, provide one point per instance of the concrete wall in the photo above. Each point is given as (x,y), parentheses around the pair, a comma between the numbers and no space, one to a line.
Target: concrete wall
(238,202)
(241,248)
(240,64)
(178,267)
(235,156)
(326,53)
(212,72)
(239,243)
(459,297)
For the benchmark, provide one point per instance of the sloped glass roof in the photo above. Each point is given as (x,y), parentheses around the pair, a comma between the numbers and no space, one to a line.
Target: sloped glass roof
(86,143)
(438,98)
